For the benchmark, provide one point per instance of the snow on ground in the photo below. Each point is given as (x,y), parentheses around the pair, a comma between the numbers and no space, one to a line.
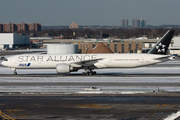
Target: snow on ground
(109,72)
(140,88)
(170,62)
(173,116)
(92,79)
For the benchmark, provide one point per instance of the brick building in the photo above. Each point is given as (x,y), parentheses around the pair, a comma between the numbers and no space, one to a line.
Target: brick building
(73,26)
(17,27)
(115,47)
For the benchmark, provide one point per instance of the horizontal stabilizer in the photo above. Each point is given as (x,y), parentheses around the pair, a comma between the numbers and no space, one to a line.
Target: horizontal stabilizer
(162,58)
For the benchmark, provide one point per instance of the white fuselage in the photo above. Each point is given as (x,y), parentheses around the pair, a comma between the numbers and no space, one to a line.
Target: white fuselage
(108,60)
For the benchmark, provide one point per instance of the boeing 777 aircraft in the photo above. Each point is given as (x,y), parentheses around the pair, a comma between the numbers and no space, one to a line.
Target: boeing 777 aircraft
(66,63)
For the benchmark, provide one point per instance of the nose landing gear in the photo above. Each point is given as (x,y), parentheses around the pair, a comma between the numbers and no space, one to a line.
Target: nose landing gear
(15,73)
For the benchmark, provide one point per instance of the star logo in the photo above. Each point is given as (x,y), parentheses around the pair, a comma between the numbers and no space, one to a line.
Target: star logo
(160,48)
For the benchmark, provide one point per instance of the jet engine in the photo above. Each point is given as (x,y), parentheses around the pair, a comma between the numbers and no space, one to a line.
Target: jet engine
(63,68)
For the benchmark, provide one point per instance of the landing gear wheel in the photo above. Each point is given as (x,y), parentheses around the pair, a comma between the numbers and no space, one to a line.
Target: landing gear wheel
(15,73)
(90,73)
(94,73)
(87,73)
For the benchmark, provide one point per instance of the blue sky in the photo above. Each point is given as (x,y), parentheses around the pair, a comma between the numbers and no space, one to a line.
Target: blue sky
(89,12)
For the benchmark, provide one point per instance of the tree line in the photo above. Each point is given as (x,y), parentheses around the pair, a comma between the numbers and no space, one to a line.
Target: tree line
(121,33)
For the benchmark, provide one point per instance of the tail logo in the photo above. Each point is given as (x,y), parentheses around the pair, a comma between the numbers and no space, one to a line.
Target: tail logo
(160,48)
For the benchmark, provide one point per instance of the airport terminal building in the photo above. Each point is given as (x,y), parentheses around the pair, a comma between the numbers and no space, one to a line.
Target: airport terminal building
(13,41)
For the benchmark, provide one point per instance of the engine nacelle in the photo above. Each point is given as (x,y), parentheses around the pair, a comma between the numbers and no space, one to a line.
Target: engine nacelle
(63,68)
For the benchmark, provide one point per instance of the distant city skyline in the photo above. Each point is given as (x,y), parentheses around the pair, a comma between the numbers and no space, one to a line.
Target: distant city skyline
(89,12)
(136,23)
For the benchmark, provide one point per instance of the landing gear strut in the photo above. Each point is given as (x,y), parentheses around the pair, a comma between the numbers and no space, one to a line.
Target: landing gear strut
(15,73)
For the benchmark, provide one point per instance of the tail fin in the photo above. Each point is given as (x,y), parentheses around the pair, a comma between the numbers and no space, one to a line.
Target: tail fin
(162,45)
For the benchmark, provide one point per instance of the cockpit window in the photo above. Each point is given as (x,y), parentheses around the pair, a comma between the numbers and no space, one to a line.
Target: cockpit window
(3,58)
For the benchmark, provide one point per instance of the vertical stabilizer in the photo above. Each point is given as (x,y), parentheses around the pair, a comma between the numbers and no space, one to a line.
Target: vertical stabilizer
(162,45)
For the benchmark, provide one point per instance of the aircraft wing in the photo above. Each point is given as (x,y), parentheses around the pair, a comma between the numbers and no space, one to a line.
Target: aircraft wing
(86,63)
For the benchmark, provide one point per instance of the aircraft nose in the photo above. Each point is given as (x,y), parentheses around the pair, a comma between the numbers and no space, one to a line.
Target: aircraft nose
(4,63)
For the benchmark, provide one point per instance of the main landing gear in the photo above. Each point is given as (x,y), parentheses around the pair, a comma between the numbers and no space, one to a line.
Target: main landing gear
(89,72)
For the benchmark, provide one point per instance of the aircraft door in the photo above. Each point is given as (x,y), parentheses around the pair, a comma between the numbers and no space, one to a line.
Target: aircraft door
(15,61)
(110,62)
(142,60)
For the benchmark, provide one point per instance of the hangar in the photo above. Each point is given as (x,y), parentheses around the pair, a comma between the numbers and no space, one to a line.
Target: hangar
(176,48)
(13,40)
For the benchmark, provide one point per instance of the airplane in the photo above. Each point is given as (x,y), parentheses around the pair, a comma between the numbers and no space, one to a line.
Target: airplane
(66,63)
